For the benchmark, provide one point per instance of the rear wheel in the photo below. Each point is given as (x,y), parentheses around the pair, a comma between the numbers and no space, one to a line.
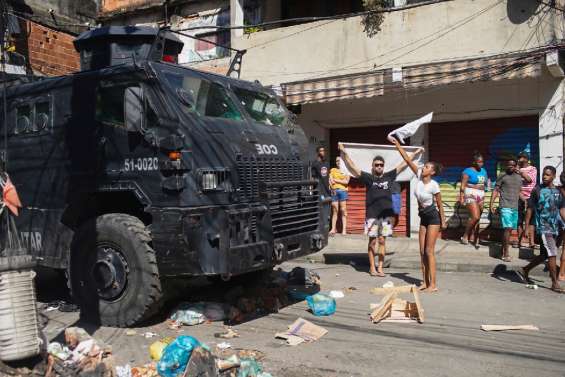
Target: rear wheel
(113,271)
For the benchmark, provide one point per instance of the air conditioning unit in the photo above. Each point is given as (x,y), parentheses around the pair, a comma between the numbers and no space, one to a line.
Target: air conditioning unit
(554,61)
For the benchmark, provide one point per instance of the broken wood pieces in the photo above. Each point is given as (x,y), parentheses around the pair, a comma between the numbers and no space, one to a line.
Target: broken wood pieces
(508,327)
(393,309)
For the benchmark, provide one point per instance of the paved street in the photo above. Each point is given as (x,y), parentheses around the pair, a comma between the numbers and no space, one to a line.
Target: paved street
(448,343)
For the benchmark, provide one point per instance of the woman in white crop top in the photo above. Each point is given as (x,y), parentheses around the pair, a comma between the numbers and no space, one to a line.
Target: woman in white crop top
(432,216)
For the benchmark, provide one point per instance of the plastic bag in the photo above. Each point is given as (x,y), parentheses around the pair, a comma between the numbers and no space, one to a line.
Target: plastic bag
(176,356)
(249,368)
(321,304)
(191,314)
(157,348)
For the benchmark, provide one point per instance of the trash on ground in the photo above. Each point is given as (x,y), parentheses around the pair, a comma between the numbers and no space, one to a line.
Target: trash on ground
(388,284)
(82,355)
(131,332)
(62,306)
(223,345)
(321,304)
(124,371)
(393,309)
(191,314)
(148,370)
(175,356)
(229,363)
(350,289)
(304,330)
(156,348)
(303,276)
(508,327)
(202,364)
(532,286)
(228,334)
(336,294)
(249,367)
(149,334)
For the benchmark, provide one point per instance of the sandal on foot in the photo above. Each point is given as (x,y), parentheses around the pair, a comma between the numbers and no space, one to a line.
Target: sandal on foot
(464,241)
(558,290)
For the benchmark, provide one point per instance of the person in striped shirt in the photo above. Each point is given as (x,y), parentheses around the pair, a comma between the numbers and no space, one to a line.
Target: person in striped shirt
(524,229)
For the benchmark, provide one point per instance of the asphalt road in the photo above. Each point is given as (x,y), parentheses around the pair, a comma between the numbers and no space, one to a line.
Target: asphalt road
(449,343)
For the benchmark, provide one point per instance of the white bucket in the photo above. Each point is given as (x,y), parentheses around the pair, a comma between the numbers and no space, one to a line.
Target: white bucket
(19,325)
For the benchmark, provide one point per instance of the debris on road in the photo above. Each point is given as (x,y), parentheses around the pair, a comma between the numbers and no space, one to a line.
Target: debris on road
(388,284)
(82,354)
(156,348)
(202,364)
(302,331)
(149,335)
(176,355)
(131,332)
(321,304)
(228,334)
(531,286)
(190,314)
(336,294)
(223,345)
(393,309)
(508,327)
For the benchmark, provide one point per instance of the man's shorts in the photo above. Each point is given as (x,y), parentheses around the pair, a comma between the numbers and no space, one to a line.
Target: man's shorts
(473,195)
(339,196)
(548,245)
(509,218)
(381,227)
(396,203)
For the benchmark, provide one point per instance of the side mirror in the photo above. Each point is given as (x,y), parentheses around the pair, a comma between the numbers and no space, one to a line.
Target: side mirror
(134,109)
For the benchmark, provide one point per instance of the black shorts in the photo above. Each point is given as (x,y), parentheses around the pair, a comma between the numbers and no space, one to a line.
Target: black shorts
(522,212)
(429,216)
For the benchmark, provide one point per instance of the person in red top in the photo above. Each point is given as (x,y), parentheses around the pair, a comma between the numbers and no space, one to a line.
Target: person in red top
(524,229)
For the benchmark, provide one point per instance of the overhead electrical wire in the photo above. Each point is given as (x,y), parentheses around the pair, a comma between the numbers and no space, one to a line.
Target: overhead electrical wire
(551,5)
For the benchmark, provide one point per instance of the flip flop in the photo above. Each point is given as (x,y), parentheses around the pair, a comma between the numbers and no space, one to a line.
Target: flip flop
(522,277)
(380,274)
(558,290)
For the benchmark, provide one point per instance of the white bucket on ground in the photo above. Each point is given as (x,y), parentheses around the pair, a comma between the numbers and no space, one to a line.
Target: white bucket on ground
(19,325)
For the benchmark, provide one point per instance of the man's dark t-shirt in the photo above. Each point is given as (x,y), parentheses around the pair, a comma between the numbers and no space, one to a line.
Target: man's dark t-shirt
(321,171)
(378,201)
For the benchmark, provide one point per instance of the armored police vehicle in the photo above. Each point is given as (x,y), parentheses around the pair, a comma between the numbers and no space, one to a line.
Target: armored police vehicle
(136,172)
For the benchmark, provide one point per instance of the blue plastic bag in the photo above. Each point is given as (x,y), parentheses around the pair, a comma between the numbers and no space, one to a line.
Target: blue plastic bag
(321,304)
(176,356)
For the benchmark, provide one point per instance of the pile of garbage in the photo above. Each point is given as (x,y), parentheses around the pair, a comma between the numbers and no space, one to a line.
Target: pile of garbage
(80,355)
(185,356)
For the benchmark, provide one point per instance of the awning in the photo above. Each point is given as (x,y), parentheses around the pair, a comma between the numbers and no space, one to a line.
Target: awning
(334,88)
(378,83)
(467,71)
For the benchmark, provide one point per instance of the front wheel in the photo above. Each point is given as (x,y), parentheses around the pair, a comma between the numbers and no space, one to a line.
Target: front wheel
(113,271)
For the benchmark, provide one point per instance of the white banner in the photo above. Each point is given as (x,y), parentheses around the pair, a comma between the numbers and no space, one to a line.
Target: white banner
(363,154)
(409,129)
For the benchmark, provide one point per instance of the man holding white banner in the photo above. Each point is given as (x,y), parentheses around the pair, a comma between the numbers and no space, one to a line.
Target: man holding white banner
(378,204)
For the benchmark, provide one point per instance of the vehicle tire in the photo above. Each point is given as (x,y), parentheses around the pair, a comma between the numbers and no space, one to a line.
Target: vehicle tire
(113,271)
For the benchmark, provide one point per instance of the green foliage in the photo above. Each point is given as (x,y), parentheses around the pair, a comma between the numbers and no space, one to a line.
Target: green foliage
(373,20)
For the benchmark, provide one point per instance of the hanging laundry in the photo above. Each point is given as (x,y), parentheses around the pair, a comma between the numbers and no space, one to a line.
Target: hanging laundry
(409,129)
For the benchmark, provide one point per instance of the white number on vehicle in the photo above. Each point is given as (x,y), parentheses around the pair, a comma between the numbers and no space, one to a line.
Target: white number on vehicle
(141,164)
(266,149)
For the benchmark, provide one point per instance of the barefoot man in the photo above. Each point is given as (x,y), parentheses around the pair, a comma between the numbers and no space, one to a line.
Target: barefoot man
(378,204)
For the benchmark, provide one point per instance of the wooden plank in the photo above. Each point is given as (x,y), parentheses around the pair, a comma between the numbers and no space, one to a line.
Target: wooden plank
(508,327)
(383,308)
(385,291)
(419,306)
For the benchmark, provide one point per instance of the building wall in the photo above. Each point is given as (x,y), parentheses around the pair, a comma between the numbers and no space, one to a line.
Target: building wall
(443,31)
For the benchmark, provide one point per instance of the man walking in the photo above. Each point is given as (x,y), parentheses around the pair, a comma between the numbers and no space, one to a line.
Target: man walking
(320,171)
(508,187)
(378,204)
(525,229)
(548,206)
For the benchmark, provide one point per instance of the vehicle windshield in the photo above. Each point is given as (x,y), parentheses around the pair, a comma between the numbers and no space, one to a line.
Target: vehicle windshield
(206,98)
(262,107)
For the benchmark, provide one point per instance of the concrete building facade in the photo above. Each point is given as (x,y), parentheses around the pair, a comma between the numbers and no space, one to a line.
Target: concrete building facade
(490,70)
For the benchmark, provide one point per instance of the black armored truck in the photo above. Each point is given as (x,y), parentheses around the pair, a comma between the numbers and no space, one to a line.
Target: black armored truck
(137,172)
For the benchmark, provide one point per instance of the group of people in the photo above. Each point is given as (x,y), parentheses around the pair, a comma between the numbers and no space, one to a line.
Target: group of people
(522,203)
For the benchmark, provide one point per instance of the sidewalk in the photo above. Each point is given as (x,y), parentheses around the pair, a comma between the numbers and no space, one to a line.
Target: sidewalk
(403,253)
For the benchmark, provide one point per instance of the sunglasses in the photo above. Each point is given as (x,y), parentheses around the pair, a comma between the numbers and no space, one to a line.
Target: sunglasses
(378,165)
